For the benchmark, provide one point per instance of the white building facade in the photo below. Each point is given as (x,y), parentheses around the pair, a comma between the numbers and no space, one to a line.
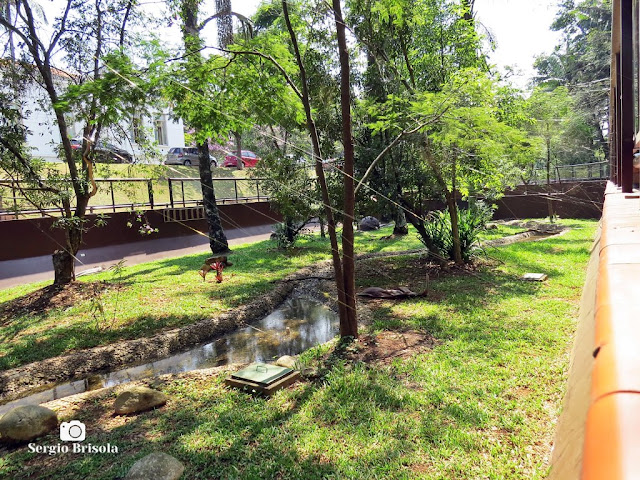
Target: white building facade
(44,139)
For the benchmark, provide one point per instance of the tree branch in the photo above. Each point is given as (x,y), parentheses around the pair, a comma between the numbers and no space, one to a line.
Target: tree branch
(239,16)
(273,61)
(62,29)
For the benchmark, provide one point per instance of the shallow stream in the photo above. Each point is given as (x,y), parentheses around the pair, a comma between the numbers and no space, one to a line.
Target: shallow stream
(297,325)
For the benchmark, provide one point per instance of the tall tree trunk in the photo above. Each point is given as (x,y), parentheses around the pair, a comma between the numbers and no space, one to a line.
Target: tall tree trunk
(193,45)
(350,327)
(217,238)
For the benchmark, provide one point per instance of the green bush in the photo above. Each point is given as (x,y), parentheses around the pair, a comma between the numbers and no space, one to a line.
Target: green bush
(471,222)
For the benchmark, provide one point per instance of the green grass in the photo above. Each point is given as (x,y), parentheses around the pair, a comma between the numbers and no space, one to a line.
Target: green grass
(482,404)
(146,298)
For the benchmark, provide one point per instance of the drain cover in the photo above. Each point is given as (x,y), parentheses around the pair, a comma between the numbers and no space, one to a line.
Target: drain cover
(263,379)
(261,373)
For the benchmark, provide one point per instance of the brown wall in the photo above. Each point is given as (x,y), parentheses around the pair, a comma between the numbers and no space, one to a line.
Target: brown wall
(570,200)
(35,237)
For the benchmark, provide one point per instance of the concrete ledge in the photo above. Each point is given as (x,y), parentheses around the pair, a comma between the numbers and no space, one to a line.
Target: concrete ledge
(612,429)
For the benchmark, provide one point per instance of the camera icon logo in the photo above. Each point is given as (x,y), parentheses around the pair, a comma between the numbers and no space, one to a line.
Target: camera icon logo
(73,431)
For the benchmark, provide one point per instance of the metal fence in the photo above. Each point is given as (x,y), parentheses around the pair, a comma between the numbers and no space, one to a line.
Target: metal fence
(571,173)
(122,194)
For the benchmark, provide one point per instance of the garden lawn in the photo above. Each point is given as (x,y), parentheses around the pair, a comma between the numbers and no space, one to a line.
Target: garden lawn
(144,299)
(481,404)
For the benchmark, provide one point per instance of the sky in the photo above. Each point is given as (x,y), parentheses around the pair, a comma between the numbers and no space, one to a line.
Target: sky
(521,31)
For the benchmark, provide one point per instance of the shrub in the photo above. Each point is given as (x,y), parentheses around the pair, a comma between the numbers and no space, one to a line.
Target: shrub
(471,222)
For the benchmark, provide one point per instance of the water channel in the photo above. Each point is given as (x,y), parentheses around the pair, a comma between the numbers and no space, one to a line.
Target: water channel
(297,325)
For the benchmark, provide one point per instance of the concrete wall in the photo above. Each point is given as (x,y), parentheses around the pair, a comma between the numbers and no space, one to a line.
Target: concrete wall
(566,461)
(35,237)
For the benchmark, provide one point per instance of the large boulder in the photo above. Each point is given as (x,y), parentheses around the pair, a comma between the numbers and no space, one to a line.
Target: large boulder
(368,224)
(156,466)
(27,422)
(139,399)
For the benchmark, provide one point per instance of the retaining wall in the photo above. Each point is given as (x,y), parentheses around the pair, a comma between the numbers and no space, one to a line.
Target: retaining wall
(34,237)
(570,200)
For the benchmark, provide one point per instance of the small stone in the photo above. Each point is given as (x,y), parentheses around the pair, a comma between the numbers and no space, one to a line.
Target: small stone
(286,361)
(368,224)
(139,399)
(27,422)
(535,277)
(156,466)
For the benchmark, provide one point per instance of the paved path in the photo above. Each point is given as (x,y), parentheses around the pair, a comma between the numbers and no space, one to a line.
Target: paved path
(35,269)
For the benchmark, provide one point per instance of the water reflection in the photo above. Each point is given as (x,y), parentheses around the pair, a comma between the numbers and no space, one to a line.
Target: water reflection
(298,325)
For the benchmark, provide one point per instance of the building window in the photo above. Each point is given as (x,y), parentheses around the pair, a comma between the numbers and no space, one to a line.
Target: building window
(137,133)
(160,131)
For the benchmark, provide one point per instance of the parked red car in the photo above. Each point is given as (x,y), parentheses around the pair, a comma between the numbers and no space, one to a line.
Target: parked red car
(249,159)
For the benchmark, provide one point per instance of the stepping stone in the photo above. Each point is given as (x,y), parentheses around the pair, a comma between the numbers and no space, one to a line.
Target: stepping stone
(156,466)
(139,399)
(286,361)
(535,277)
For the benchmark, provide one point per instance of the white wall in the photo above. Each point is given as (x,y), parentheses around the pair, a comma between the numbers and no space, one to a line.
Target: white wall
(44,136)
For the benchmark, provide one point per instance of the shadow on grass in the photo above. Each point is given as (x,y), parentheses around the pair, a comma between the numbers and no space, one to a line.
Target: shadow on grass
(215,434)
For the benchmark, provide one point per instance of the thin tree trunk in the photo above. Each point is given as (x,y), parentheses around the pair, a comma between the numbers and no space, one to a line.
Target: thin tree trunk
(453,214)
(313,133)
(238,137)
(549,201)
(449,196)
(350,327)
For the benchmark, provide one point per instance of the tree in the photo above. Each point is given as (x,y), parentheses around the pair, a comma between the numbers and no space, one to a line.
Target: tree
(277,23)
(189,83)
(100,87)
(416,47)
(581,63)
(551,110)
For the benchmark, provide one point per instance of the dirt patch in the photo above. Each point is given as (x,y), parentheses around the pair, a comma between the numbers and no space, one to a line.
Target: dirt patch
(387,345)
(50,297)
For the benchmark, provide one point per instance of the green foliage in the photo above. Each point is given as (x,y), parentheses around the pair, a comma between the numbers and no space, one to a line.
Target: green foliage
(292,190)
(581,63)
(472,222)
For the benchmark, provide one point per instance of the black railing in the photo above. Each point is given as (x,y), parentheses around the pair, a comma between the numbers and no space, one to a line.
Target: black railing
(572,173)
(122,194)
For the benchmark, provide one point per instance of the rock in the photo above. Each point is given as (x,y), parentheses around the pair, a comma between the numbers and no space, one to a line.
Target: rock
(286,361)
(156,466)
(27,422)
(368,224)
(139,399)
